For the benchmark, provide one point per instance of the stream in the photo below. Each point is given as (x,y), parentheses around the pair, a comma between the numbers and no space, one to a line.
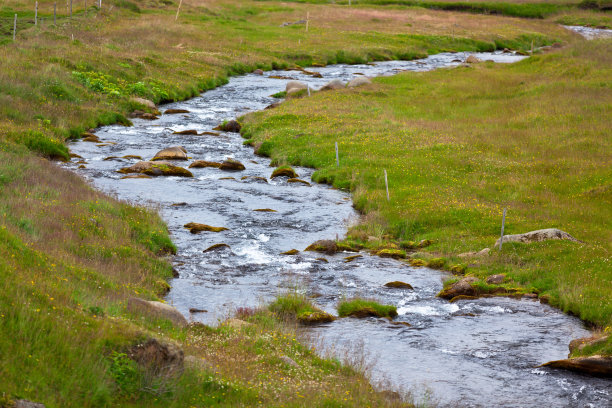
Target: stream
(475,353)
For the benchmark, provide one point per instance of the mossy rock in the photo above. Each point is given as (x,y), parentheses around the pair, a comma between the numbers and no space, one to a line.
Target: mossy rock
(229,126)
(352,258)
(264,210)
(458,269)
(291,252)
(216,247)
(408,245)
(90,137)
(284,171)
(316,317)
(322,260)
(186,132)
(416,262)
(195,228)
(171,153)
(436,263)
(297,180)
(362,308)
(462,297)
(399,285)
(231,165)
(325,245)
(343,246)
(203,163)
(132,156)
(392,253)
(156,169)
(175,111)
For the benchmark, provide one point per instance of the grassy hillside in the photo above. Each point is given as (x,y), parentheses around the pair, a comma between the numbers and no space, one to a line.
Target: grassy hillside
(461,144)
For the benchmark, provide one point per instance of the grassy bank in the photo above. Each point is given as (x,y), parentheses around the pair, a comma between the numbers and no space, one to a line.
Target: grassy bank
(459,145)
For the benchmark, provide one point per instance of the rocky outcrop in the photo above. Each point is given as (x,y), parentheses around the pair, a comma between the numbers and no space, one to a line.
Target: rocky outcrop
(156,168)
(231,165)
(496,279)
(460,288)
(159,358)
(171,153)
(195,228)
(537,236)
(295,85)
(333,85)
(203,163)
(229,126)
(155,309)
(359,81)
(598,366)
(324,245)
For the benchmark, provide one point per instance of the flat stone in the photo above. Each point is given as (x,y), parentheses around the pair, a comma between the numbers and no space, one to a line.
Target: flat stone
(598,366)
(155,309)
(538,236)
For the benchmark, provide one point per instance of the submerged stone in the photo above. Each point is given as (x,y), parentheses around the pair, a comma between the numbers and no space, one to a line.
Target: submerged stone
(171,153)
(195,228)
(231,165)
(399,285)
(203,163)
(324,245)
(290,252)
(186,132)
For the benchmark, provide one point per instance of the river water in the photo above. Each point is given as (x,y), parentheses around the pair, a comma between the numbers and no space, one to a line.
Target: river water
(477,353)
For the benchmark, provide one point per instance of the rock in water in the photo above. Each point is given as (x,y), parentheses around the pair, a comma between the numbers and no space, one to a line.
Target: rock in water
(284,171)
(231,126)
(175,111)
(186,132)
(598,366)
(195,227)
(157,168)
(258,72)
(156,310)
(171,153)
(359,81)
(324,245)
(537,236)
(231,165)
(204,163)
(399,285)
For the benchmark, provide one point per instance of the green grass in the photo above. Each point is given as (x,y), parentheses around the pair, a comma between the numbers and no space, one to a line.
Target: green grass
(298,308)
(362,307)
(531,137)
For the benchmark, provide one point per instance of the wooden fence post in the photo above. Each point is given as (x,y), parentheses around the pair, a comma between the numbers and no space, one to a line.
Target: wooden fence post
(178,10)
(387,185)
(337,158)
(70,8)
(36,14)
(55,13)
(15,27)
(307,20)
(501,240)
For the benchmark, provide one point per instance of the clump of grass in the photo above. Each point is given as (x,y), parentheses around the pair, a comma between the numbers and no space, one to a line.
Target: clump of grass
(365,308)
(297,307)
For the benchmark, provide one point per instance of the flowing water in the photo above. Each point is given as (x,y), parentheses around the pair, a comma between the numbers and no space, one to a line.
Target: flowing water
(591,33)
(470,353)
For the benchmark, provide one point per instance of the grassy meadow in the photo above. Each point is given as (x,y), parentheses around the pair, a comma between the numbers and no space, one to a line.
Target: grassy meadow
(71,256)
(460,145)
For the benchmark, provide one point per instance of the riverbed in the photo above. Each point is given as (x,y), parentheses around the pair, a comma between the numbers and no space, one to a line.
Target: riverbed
(475,353)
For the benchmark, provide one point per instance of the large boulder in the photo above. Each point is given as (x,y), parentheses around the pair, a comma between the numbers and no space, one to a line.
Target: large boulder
(229,126)
(598,366)
(155,309)
(333,85)
(460,288)
(359,81)
(472,59)
(142,101)
(156,168)
(537,236)
(204,163)
(324,245)
(171,153)
(295,85)
(158,358)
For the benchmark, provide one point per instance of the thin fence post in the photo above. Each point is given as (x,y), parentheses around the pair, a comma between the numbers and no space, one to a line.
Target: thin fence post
(308,88)
(531,47)
(55,13)
(337,158)
(387,185)
(501,240)
(307,20)
(70,8)
(85,5)
(178,10)
(36,14)
(15,27)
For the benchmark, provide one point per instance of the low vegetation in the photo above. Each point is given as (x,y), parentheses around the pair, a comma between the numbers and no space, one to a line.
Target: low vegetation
(298,308)
(358,307)
(461,145)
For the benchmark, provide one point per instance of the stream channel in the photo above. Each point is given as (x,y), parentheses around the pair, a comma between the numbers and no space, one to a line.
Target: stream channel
(475,353)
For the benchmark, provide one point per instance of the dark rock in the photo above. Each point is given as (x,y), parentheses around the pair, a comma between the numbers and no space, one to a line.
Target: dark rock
(186,132)
(284,171)
(195,228)
(217,247)
(264,210)
(352,258)
(158,358)
(462,287)
(196,310)
(231,126)
(175,111)
(399,285)
(297,180)
(231,165)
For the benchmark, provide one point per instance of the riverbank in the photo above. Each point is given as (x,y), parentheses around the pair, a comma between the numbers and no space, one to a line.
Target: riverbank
(467,143)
